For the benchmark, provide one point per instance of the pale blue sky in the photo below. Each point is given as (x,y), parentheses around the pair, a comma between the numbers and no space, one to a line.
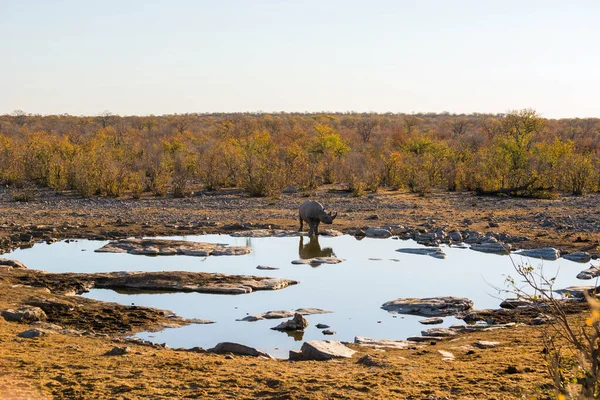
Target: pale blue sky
(158,57)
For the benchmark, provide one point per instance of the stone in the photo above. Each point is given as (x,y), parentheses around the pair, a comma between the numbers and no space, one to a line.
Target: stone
(542,319)
(330,233)
(319,260)
(165,247)
(25,314)
(446,355)
(439,332)
(516,303)
(328,332)
(430,306)
(370,361)
(322,326)
(546,253)
(590,273)
(577,291)
(266,267)
(578,256)
(322,350)
(239,349)
(278,314)
(484,344)
(383,343)
(295,355)
(378,233)
(455,236)
(431,321)
(434,252)
(492,248)
(118,351)
(12,263)
(33,333)
(298,323)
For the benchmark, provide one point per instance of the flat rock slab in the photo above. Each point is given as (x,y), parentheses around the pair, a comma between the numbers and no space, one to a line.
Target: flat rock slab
(266,268)
(278,314)
(546,253)
(182,281)
(322,350)
(434,252)
(421,339)
(431,306)
(5,262)
(439,332)
(446,355)
(236,348)
(431,321)
(492,248)
(165,247)
(383,343)
(484,344)
(259,233)
(172,281)
(590,273)
(319,261)
(578,256)
(516,303)
(577,291)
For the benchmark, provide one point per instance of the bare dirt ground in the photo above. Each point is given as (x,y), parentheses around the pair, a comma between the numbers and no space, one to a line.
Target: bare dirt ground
(70,366)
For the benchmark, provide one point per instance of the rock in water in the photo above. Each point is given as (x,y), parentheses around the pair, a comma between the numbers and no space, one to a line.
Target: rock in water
(298,323)
(379,233)
(492,247)
(431,321)
(591,272)
(431,306)
(165,247)
(547,253)
(578,256)
(434,252)
(322,350)
(236,348)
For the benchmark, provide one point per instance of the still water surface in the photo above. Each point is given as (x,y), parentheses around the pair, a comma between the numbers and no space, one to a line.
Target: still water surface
(353,290)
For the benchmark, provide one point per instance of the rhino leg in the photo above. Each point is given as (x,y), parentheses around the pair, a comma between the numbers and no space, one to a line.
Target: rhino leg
(316,230)
(301,223)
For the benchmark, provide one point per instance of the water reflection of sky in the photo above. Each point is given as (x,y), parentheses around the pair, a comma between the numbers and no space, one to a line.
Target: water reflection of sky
(354,289)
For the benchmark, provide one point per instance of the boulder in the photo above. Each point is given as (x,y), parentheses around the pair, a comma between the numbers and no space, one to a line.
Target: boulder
(25,314)
(431,306)
(236,348)
(322,350)
(378,233)
(578,256)
(434,252)
(298,323)
(5,262)
(491,247)
(383,343)
(371,361)
(546,253)
(165,247)
(322,326)
(590,273)
(319,260)
(431,321)
(455,236)
(328,332)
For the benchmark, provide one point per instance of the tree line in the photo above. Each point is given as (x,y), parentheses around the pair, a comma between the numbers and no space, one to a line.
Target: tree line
(517,153)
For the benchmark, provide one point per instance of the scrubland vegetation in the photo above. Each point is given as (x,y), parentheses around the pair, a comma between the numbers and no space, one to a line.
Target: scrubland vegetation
(518,153)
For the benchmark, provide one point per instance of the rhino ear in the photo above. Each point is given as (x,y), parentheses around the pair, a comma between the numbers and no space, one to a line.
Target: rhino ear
(333,214)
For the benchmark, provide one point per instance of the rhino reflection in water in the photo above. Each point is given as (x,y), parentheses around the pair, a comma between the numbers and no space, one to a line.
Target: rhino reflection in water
(313,249)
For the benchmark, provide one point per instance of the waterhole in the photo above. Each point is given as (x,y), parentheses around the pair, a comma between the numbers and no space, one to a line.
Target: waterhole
(354,290)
